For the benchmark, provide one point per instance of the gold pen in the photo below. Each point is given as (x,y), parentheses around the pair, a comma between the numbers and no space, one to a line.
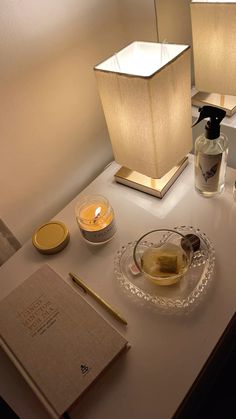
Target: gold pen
(100,300)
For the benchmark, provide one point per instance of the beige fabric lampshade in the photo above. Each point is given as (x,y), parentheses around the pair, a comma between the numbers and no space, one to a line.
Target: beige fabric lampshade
(145,93)
(214,46)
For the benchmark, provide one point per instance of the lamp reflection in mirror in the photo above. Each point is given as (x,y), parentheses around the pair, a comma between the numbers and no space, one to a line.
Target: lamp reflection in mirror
(214,51)
(145,94)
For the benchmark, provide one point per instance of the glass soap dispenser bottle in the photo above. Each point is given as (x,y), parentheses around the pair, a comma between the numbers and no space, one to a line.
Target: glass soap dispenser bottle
(211,152)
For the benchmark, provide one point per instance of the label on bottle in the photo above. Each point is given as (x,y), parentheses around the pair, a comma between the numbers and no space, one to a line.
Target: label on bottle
(207,171)
(100,236)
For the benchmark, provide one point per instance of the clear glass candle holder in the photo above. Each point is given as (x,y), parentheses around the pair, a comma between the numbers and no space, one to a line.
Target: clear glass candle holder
(163,256)
(95,218)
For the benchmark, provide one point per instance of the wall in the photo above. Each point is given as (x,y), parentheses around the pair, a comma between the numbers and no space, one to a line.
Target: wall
(139,20)
(52,129)
(174,24)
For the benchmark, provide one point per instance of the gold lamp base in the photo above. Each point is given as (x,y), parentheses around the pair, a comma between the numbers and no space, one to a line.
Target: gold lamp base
(226,102)
(155,187)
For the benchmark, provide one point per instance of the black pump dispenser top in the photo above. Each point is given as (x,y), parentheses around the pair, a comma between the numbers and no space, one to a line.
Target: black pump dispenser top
(212,127)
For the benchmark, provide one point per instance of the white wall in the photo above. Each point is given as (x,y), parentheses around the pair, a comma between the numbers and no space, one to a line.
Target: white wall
(53,135)
(138,19)
(174,24)
(52,129)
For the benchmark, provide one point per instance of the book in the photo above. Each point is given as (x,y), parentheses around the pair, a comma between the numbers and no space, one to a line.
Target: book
(58,342)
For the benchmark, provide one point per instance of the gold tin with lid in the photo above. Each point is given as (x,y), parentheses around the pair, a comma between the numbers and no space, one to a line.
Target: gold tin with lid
(51,237)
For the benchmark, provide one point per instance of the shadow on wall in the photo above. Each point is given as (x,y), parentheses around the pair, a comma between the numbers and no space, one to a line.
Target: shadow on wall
(53,134)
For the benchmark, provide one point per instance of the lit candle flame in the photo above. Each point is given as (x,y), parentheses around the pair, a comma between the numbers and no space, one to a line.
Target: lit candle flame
(98,212)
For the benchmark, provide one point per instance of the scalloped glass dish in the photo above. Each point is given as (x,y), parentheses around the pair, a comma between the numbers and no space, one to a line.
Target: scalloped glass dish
(181,296)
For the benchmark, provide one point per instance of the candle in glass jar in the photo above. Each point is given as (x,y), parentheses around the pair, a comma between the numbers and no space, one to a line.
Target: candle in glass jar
(95,218)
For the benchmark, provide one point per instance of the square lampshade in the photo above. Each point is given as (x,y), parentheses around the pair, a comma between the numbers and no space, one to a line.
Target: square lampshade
(145,93)
(214,47)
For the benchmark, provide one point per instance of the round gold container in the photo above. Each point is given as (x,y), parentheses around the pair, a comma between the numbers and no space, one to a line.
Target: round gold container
(51,237)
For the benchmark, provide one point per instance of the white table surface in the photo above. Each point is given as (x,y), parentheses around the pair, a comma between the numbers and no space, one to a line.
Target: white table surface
(167,352)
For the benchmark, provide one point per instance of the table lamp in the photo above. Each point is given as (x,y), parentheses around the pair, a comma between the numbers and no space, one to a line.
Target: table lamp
(146,98)
(214,51)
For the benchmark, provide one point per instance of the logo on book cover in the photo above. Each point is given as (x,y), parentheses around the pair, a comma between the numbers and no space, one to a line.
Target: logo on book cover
(84,369)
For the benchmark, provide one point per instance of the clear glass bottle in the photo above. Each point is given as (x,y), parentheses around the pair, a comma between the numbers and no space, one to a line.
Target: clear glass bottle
(210,164)
(211,152)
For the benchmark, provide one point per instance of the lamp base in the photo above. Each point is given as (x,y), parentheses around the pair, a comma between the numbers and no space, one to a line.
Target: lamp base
(155,187)
(226,102)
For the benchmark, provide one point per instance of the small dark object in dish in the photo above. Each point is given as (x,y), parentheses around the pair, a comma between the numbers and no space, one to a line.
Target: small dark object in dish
(193,239)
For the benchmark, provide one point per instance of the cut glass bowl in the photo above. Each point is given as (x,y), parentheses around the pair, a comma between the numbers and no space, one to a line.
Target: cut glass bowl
(178,297)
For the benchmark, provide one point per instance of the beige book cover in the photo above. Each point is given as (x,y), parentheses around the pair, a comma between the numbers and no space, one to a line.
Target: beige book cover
(58,342)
